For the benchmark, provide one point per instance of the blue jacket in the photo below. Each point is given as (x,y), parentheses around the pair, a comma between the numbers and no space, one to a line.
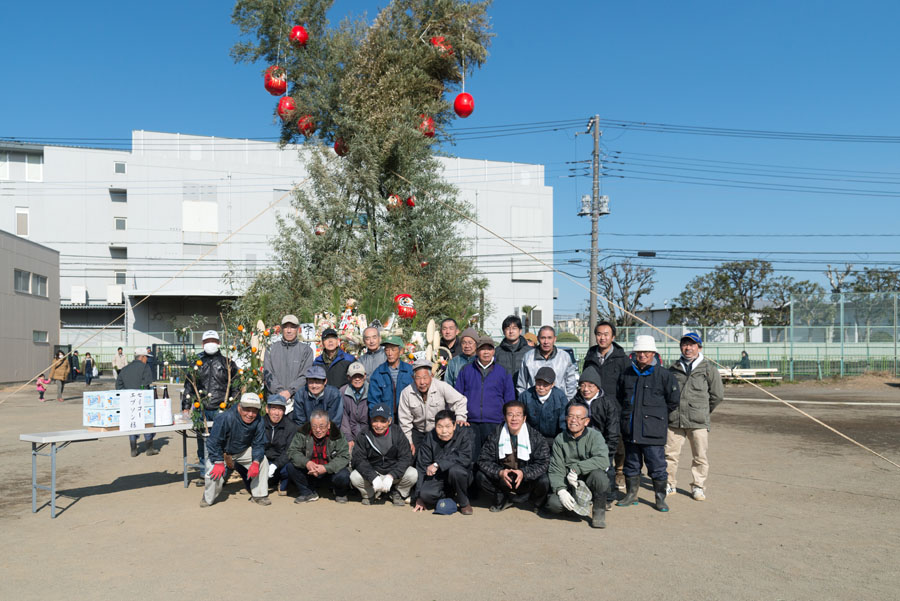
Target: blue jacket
(486,393)
(455,366)
(646,398)
(336,371)
(305,404)
(381,388)
(549,417)
(231,435)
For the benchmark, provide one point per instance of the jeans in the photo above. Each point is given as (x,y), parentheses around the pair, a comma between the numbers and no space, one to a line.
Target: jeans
(305,484)
(280,478)
(134,437)
(654,455)
(201,440)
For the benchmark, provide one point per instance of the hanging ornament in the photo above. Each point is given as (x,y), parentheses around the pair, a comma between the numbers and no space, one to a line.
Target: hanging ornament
(275,80)
(438,42)
(286,106)
(426,126)
(411,201)
(340,147)
(423,264)
(405,307)
(321,229)
(306,126)
(394,202)
(464,104)
(299,36)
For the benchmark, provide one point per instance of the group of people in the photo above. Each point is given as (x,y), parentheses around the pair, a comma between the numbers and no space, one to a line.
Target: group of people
(516,423)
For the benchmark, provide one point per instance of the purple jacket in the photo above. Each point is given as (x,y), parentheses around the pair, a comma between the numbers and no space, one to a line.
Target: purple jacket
(486,394)
(356,413)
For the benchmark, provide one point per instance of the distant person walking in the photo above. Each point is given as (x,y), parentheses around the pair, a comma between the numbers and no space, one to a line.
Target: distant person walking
(119,362)
(42,382)
(59,371)
(744,363)
(88,369)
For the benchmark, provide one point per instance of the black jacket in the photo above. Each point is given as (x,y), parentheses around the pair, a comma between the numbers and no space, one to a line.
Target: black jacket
(605,419)
(212,378)
(369,461)
(278,440)
(458,451)
(490,463)
(510,356)
(610,370)
(646,398)
(134,376)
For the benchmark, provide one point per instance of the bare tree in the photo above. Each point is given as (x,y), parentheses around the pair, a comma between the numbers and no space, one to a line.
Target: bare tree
(836,277)
(624,284)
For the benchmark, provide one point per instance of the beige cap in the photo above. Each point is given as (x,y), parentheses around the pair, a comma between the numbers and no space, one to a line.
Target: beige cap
(290,318)
(250,399)
(356,369)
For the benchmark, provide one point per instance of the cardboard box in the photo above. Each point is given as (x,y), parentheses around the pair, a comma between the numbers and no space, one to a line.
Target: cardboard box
(101,418)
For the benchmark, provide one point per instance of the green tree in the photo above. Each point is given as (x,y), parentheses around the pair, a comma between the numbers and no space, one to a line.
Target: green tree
(872,305)
(367,86)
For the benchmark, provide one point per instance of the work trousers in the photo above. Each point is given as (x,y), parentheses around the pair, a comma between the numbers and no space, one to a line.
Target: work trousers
(535,490)
(653,455)
(403,485)
(60,386)
(305,484)
(619,464)
(259,486)
(596,481)
(699,439)
(453,483)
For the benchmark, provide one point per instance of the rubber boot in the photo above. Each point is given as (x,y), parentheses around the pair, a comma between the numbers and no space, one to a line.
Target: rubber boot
(150,450)
(632,485)
(659,487)
(134,449)
(598,519)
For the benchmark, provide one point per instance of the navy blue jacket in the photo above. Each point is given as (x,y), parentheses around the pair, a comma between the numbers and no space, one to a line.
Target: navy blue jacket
(330,401)
(646,398)
(381,388)
(336,371)
(486,393)
(605,418)
(549,417)
(231,435)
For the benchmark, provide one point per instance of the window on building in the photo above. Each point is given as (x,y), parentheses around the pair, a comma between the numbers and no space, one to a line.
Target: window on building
(4,165)
(120,167)
(34,167)
(118,252)
(39,336)
(39,285)
(120,223)
(120,278)
(118,195)
(22,281)
(22,221)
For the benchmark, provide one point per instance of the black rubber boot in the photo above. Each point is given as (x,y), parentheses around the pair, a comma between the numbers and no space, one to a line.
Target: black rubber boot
(134,449)
(659,487)
(632,485)
(598,519)
(150,450)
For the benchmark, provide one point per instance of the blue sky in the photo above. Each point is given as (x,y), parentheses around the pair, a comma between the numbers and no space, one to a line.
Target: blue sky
(101,69)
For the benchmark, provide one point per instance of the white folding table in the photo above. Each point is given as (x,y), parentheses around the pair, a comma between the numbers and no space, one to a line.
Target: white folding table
(60,440)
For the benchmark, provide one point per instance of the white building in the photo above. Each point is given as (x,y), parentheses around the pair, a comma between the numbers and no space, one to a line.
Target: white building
(126,221)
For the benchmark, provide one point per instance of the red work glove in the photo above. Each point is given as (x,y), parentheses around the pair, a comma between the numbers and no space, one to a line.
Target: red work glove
(217,471)
(253,472)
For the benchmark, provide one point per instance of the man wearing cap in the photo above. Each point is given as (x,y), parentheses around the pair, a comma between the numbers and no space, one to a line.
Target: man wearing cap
(512,466)
(701,391)
(238,441)
(355,401)
(317,394)
(444,464)
(546,354)
(467,343)
(579,455)
(391,377)
(334,359)
(513,347)
(279,434)
(545,405)
(647,393)
(374,354)
(135,376)
(382,461)
(211,383)
(319,454)
(487,387)
(423,399)
(286,362)
(604,412)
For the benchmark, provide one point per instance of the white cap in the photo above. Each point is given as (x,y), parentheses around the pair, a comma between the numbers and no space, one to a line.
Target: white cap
(141,351)
(250,399)
(210,334)
(644,343)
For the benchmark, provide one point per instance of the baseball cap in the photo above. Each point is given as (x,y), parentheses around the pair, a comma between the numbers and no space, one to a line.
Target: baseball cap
(546,374)
(210,335)
(445,507)
(395,340)
(250,399)
(329,333)
(380,410)
(290,318)
(316,372)
(356,369)
(422,362)
(141,352)
(486,341)
(693,336)
(276,399)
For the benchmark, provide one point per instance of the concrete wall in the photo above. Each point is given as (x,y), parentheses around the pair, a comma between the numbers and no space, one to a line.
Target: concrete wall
(23,313)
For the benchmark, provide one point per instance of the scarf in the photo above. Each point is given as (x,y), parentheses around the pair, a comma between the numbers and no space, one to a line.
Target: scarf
(504,446)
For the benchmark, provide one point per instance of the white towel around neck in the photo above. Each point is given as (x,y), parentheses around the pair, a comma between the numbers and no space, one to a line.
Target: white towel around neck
(522,441)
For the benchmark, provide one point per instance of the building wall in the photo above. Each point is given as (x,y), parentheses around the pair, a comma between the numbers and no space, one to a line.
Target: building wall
(22,314)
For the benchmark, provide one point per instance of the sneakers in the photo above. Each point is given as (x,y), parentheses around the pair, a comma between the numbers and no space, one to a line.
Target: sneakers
(366,501)
(340,500)
(670,490)
(505,504)
(282,493)
(397,499)
(203,502)
(307,498)
(698,494)
(466,510)
(264,501)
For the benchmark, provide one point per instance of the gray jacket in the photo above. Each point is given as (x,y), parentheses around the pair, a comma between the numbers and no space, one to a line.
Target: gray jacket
(371,360)
(285,366)
(561,364)
(701,392)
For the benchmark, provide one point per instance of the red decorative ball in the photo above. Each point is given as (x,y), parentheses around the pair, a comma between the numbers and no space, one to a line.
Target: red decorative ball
(320,229)
(438,42)
(306,126)
(423,264)
(286,106)
(340,147)
(411,201)
(405,306)
(298,36)
(276,80)
(464,105)
(394,202)
(426,126)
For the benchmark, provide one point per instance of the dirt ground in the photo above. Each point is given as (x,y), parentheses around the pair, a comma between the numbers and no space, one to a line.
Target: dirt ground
(793,512)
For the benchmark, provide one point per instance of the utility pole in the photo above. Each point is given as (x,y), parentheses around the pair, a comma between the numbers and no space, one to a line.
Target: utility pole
(595,218)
